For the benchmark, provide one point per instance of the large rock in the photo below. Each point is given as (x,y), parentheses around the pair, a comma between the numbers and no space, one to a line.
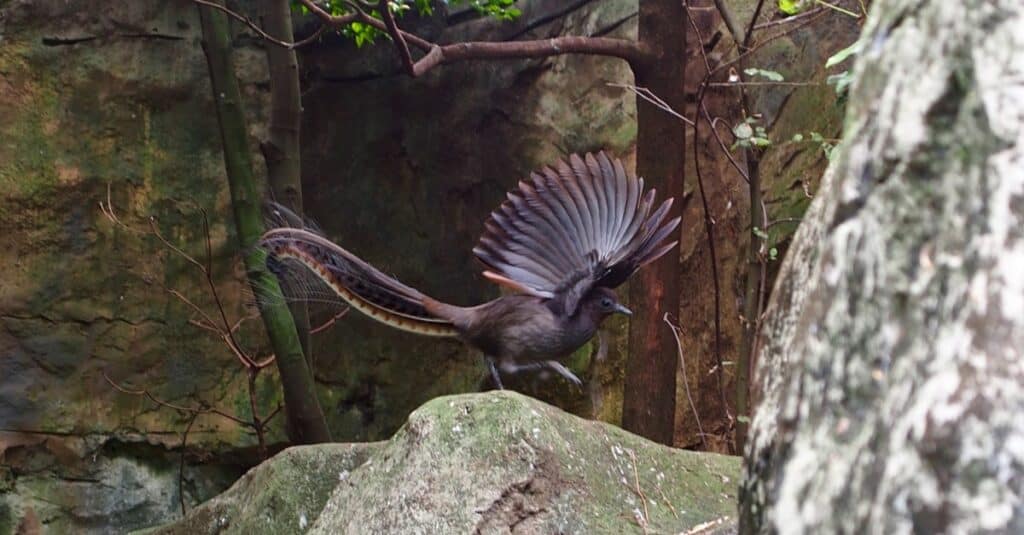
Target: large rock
(497,462)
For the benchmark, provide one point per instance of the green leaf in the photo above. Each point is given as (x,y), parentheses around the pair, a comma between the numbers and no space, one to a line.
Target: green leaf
(760,233)
(743,131)
(841,82)
(773,253)
(743,419)
(791,7)
(843,54)
(770,75)
(798,138)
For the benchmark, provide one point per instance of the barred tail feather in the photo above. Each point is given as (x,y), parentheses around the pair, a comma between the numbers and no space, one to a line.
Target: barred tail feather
(362,286)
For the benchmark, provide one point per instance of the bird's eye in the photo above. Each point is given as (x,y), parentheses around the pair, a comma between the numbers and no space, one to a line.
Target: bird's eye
(606,303)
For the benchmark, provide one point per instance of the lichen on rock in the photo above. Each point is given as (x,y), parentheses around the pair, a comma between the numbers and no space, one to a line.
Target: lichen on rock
(496,462)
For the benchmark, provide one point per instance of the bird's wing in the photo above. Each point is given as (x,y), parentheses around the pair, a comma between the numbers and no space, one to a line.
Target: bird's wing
(583,223)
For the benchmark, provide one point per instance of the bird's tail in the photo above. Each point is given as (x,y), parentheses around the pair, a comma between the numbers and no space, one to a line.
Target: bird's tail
(353,280)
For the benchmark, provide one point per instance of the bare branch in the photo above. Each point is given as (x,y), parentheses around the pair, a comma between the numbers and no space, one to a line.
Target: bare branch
(182,408)
(730,21)
(657,101)
(728,154)
(396,36)
(329,322)
(629,50)
(264,35)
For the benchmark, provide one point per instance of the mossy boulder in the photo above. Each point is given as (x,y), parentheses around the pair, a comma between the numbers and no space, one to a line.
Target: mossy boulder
(486,463)
(282,495)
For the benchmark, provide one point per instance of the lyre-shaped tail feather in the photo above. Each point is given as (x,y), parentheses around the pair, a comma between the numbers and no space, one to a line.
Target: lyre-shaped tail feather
(356,282)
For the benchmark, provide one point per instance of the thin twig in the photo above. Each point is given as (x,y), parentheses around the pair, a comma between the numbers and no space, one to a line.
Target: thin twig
(762,43)
(668,502)
(649,96)
(686,383)
(728,154)
(709,224)
(639,491)
(190,410)
(325,325)
(768,83)
(248,22)
(846,12)
(789,20)
(781,220)
(749,34)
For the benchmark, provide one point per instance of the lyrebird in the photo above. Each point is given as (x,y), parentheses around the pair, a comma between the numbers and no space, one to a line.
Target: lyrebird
(561,242)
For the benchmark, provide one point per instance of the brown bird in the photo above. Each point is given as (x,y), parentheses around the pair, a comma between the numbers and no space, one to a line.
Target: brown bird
(561,242)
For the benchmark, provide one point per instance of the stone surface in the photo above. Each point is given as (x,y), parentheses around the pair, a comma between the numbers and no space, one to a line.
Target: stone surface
(497,462)
(282,495)
(891,377)
(88,484)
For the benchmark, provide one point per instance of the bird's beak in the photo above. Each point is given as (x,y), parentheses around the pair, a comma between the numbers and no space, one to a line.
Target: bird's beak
(623,310)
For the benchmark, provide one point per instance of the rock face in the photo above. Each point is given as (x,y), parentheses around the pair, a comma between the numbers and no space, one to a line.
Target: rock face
(282,495)
(892,370)
(497,462)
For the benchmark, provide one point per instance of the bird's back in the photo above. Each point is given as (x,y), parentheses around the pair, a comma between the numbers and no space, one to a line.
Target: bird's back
(523,328)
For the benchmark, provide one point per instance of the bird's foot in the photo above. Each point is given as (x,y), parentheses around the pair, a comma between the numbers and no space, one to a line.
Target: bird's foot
(494,372)
(564,372)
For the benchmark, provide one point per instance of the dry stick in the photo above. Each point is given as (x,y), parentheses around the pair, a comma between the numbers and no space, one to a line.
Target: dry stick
(639,491)
(686,383)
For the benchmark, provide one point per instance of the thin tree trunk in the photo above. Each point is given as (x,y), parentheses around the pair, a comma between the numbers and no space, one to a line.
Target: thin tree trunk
(891,372)
(281,149)
(306,423)
(650,386)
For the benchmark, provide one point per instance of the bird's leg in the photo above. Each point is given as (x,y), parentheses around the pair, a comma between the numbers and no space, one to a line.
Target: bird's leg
(494,372)
(552,364)
(563,371)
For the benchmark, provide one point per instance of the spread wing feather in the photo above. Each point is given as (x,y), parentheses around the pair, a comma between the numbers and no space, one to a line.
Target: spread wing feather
(583,223)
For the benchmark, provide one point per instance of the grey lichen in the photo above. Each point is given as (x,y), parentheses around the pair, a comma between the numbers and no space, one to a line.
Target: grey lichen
(891,365)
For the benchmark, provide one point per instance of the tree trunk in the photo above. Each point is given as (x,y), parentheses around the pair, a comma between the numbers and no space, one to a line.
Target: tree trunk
(281,149)
(891,363)
(648,407)
(306,423)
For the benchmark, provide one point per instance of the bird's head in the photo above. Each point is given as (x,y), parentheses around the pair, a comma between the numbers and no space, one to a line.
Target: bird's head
(602,302)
